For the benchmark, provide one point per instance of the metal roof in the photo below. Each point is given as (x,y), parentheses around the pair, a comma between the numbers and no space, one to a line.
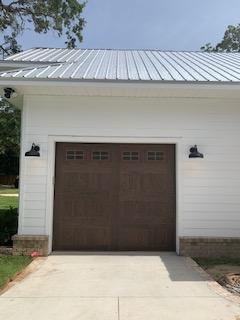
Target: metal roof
(127,65)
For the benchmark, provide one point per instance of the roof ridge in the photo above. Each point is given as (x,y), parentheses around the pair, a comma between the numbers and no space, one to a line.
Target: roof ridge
(122,49)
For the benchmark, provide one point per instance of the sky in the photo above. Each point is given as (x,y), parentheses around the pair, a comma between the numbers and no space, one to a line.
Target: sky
(176,25)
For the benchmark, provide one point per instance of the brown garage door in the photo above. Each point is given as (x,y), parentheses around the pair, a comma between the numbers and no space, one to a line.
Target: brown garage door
(114,197)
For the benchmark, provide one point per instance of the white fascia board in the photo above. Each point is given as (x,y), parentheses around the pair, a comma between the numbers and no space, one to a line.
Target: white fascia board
(119,84)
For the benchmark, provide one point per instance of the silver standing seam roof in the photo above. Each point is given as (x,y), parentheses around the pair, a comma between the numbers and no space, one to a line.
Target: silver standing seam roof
(125,65)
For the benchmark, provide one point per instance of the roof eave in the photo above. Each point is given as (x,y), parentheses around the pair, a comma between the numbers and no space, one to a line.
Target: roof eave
(116,82)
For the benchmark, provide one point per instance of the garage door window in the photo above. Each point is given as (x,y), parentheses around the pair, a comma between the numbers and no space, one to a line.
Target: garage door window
(155,156)
(75,155)
(100,155)
(130,155)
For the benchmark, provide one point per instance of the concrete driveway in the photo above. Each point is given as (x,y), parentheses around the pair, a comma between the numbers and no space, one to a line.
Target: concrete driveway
(149,286)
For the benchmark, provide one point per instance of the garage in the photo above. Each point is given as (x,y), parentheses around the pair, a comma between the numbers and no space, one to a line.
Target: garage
(114,197)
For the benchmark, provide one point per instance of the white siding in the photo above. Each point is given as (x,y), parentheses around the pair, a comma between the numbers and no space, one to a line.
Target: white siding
(209,188)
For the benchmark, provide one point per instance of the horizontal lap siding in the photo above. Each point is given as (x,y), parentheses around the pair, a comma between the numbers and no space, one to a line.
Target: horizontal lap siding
(39,213)
(211,198)
(33,229)
(211,186)
(29,222)
(211,215)
(222,190)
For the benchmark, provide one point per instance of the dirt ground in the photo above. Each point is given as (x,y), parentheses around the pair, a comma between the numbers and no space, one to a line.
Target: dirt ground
(218,272)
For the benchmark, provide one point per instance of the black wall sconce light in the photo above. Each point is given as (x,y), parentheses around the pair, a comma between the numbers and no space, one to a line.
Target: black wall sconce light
(34,152)
(194,153)
(10,92)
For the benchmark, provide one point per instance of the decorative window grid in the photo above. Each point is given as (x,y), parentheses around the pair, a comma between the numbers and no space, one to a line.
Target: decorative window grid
(75,155)
(156,156)
(100,155)
(130,156)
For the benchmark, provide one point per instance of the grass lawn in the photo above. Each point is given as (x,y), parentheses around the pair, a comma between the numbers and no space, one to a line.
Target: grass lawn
(9,191)
(10,265)
(7,202)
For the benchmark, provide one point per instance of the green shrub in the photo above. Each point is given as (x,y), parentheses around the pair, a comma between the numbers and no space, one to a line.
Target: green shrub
(8,225)
(9,164)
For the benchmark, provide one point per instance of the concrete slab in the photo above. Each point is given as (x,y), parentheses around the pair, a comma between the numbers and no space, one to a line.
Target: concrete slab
(67,308)
(117,286)
(198,308)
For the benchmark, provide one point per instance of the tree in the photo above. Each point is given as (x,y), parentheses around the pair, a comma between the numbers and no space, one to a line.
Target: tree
(62,16)
(10,122)
(229,43)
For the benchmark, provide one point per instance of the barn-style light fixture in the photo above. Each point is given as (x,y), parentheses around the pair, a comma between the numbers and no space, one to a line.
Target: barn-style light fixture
(10,92)
(34,152)
(194,153)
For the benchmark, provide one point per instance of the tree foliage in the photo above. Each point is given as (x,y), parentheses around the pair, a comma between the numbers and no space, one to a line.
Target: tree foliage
(61,16)
(10,123)
(229,43)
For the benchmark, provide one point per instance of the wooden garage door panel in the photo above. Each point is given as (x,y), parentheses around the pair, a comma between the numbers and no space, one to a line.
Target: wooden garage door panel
(137,182)
(114,197)
(76,238)
(86,182)
(148,238)
(85,210)
(143,211)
